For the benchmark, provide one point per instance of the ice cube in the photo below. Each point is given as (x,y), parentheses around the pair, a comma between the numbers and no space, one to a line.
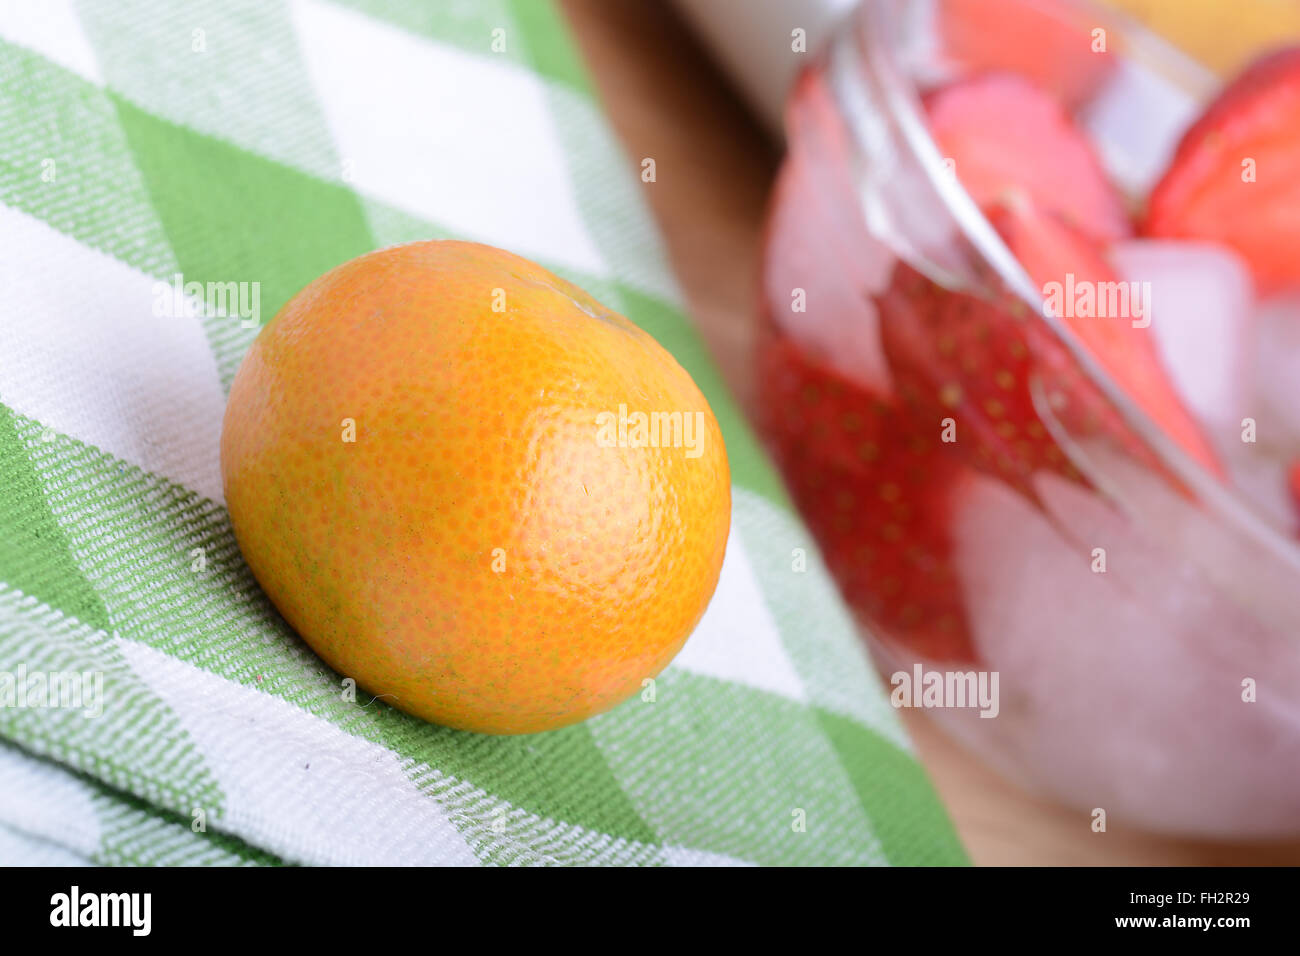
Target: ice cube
(1201,300)
(1268,436)
(1123,688)
(823,267)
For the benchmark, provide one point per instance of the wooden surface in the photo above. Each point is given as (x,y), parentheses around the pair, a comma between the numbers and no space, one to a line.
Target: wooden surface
(714,168)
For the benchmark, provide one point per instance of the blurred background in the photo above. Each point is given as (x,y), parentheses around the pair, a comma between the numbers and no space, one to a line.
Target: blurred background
(669,98)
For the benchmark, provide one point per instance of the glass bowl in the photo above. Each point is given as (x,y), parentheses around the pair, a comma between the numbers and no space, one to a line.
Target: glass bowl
(1129,609)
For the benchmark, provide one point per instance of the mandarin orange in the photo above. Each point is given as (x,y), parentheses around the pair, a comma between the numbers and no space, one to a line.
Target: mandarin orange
(474,489)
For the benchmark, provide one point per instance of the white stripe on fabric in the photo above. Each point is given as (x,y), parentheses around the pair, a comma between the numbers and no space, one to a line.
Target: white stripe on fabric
(612,197)
(456,138)
(82,352)
(22,849)
(47,802)
(816,628)
(737,639)
(294,783)
(50,28)
(308,791)
(685,856)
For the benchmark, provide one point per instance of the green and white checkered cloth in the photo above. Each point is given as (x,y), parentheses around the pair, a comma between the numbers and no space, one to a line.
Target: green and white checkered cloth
(268,142)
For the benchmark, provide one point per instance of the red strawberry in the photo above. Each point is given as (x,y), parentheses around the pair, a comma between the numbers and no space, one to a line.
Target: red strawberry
(1009,139)
(1235,177)
(876,492)
(1042,40)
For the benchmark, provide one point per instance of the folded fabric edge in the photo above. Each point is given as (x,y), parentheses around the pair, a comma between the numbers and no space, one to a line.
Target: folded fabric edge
(55,816)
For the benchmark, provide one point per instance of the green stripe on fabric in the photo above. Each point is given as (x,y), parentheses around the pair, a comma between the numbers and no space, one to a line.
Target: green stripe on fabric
(391,226)
(897,796)
(466,26)
(865,732)
(502,834)
(547,44)
(532,37)
(133,728)
(726,768)
(816,629)
(611,197)
(92,190)
(34,554)
(130,831)
(561,775)
(133,535)
(135,833)
(232,216)
(230,69)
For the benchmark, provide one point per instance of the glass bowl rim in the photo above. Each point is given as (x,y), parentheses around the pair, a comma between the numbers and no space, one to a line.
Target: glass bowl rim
(869,44)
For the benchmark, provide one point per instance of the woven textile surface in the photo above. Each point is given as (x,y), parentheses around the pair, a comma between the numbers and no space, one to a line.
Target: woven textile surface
(148,144)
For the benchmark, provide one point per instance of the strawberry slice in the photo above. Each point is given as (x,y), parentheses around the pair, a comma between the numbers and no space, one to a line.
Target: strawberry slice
(965,362)
(876,492)
(1107,315)
(1037,39)
(972,359)
(1235,177)
(1009,139)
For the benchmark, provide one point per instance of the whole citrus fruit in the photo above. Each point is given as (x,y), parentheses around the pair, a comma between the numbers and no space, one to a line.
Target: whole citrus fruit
(474,489)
